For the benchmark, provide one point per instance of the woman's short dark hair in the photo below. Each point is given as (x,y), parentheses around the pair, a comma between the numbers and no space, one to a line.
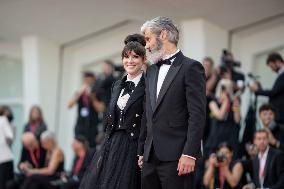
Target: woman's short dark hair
(224,145)
(135,43)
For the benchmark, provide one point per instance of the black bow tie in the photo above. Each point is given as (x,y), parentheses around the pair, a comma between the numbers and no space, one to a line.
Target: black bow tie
(166,62)
(128,87)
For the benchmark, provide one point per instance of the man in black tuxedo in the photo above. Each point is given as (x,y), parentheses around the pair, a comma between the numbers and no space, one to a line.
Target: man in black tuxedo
(276,94)
(175,109)
(267,167)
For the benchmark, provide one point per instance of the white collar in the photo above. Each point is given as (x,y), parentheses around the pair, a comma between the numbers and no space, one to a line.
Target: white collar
(136,79)
(264,155)
(281,70)
(171,55)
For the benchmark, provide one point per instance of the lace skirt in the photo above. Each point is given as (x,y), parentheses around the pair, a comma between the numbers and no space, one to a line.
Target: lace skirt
(114,166)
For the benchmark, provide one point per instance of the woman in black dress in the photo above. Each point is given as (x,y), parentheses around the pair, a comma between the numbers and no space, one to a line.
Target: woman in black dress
(222,172)
(225,110)
(115,165)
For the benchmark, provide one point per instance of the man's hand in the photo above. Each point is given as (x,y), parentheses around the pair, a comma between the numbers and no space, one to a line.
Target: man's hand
(185,165)
(271,139)
(140,162)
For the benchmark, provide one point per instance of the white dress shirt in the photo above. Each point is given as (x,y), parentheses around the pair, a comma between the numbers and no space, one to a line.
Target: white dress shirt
(6,132)
(122,100)
(262,162)
(163,71)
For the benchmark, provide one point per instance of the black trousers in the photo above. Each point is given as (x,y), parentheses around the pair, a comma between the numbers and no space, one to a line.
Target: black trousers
(70,184)
(16,182)
(157,174)
(6,173)
(38,182)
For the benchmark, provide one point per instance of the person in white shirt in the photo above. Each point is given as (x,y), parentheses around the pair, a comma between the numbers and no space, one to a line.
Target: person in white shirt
(6,138)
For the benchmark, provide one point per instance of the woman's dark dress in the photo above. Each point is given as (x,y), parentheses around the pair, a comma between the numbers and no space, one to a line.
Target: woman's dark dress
(223,131)
(226,184)
(115,165)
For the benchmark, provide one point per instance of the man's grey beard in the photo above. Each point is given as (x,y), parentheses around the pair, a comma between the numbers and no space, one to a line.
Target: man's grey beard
(157,54)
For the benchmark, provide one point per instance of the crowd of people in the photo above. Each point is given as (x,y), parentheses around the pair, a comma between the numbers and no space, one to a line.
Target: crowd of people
(256,159)
(41,163)
(228,161)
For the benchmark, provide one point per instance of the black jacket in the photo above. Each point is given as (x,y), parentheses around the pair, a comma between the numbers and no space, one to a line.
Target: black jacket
(40,157)
(276,98)
(278,133)
(132,113)
(86,162)
(274,170)
(174,122)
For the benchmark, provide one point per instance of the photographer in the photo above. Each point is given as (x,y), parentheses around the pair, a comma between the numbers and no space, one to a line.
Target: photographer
(90,103)
(276,94)
(229,64)
(222,172)
(225,110)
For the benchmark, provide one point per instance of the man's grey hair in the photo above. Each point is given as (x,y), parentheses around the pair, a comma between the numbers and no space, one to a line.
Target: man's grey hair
(158,24)
(48,135)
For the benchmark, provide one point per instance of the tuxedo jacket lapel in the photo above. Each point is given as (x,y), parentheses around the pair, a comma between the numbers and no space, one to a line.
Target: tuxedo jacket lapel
(267,164)
(153,79)
(256,170)
(137,93)
(175,67)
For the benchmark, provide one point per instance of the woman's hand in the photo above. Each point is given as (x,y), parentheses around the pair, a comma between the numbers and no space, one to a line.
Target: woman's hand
(224,167)
(213,160)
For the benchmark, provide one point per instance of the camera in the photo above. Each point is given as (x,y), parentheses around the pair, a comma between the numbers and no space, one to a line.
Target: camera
(221,158)
(252,79)
(228,60)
